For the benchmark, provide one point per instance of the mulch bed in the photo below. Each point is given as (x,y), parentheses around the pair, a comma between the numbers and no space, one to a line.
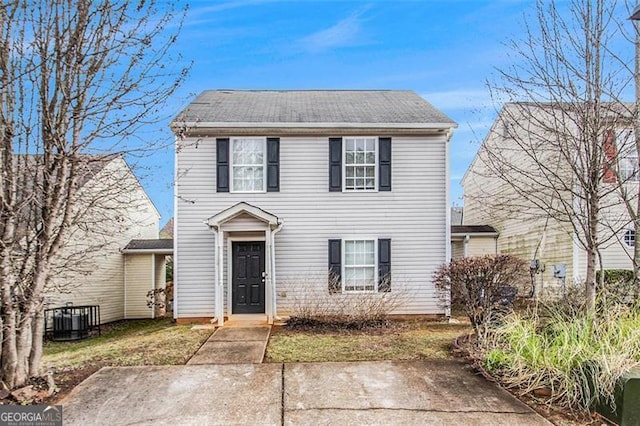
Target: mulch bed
(336,324)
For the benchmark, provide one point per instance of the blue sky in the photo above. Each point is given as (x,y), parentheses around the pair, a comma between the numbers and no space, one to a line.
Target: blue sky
(443,50)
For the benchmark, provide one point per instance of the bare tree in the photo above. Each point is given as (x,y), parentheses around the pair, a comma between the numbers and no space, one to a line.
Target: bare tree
(552,162)
(76,78)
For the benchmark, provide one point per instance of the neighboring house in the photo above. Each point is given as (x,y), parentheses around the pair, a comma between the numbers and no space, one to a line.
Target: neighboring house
(167,230)
(276,188)
(528,231)
(456,216)
(473,240)
(100,264)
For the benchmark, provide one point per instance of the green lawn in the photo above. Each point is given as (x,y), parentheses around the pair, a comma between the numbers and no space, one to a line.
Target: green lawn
(135,342)
(403,340)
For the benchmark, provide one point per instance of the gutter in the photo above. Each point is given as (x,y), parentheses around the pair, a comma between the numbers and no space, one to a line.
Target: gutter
(147,251)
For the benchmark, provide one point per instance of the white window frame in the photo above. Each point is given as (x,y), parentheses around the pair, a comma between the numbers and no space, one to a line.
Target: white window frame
(344,263)
(625,239)
(376,172)
(626,150)
(232,141)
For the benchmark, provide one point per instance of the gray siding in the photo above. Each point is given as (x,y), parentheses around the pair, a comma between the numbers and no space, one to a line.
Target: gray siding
(413,215)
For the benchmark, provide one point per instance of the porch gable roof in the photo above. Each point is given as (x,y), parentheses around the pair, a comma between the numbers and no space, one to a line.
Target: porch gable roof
(242,208)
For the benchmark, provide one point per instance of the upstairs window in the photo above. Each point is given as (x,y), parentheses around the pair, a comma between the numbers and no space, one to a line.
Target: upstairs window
(360,163)
(248,164)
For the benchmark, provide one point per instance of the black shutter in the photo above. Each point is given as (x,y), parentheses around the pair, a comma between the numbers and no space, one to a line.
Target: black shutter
(384,265)
(335,164)
(335,266)
(273,164)
(222,169)
(384,164)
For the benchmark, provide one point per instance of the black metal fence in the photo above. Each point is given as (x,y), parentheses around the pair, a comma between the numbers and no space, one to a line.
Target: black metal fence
(71,322)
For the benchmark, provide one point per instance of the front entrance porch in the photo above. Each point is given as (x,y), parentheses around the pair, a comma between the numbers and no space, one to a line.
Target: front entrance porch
(245,237)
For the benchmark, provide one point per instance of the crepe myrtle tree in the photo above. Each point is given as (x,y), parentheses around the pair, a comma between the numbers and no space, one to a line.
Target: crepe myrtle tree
(76,78)
(562,95)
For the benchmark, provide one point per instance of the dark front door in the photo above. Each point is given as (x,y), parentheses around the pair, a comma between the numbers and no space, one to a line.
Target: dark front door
(248,281)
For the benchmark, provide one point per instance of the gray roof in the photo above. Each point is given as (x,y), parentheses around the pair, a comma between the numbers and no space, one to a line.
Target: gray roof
(312,106)
(473,229)
(151,246)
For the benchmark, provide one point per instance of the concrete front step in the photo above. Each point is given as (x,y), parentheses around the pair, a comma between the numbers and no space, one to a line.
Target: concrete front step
(246,320)
(233,345)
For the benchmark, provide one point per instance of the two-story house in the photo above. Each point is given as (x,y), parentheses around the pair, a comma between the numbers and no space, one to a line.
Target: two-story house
(529,146)
(274,189)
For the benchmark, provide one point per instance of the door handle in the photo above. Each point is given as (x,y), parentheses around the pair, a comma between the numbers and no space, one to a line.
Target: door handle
(264,275)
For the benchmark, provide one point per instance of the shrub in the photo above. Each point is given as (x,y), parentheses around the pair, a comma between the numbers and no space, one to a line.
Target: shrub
(577,357)
(618,284)
(160,299)
(317,307)
(484,286)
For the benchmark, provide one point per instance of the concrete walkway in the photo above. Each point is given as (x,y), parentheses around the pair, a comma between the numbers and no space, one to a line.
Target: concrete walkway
(357,393)
(233,345)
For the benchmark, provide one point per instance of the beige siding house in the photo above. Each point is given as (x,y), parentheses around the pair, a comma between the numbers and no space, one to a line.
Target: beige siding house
(526,230)
(276,188)
(473,240)
(93,269)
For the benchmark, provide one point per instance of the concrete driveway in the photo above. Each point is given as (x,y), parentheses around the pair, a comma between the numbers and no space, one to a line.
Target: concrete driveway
(357,393)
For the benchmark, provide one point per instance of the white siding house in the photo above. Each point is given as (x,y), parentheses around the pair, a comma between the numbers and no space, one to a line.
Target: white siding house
(526,229)
(276,188)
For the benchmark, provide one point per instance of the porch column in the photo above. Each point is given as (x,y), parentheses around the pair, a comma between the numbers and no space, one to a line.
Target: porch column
(219,310)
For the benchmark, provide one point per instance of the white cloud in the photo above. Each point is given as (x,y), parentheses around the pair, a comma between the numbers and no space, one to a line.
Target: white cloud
(345,32)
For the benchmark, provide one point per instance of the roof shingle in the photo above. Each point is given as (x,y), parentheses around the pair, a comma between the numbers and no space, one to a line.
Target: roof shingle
(312,106)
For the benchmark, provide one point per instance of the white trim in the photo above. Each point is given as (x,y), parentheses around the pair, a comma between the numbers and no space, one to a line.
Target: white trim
(375,166)
(148,251)
(474,234)
(447,224)
(229,274)
(310,125)
(124,262)
(264,164)
(268,300)
(343,263)
(175,229)
(153,285)
(219,292)
(236,210)
(273,270)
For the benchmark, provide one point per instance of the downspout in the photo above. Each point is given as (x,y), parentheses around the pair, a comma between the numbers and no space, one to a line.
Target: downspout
(464,246)
(153,285)
(273,268)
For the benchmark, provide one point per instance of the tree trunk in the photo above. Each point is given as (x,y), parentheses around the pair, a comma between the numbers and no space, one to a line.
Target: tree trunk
(9,351)
(36,343)
(23,350)
(590,283)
